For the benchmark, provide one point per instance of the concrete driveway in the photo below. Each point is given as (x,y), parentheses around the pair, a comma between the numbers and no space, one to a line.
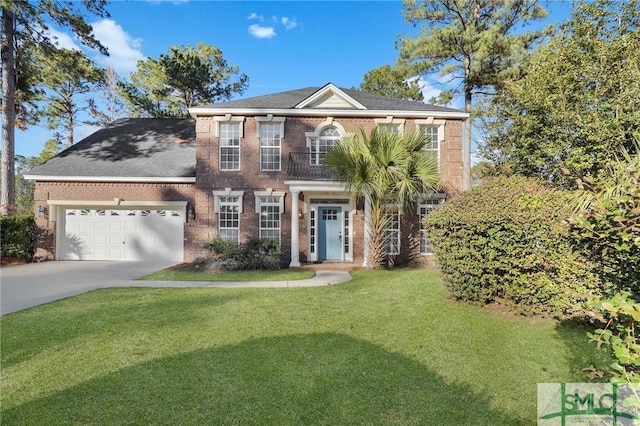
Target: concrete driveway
(24,286)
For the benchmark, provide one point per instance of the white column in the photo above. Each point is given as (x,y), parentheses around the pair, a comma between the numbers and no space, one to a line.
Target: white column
(295,231)
(367,228)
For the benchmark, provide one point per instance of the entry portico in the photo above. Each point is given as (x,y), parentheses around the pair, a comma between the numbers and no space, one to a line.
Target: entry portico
(328,210)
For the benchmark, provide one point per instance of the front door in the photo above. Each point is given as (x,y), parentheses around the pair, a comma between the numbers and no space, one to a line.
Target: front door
(330,233)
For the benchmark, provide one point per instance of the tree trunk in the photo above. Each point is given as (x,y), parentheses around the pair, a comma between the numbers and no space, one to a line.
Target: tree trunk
(8,186)
(70,130)
(466,140)
(466,147)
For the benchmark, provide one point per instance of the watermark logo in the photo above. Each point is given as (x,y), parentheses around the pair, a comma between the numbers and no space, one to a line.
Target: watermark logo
(588,404)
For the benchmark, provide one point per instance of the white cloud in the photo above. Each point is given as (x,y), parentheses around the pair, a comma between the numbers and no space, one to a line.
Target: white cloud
(268,31)
(259,31)
(288,22)
(62,40)
(124,51)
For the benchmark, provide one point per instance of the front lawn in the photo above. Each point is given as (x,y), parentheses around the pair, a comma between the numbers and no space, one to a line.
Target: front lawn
(385,348)
(191,274)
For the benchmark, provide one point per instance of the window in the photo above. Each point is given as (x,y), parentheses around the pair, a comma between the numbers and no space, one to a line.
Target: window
(320,145)
(433,131)
(229,137)
(390,124)
(392,231)
(432,142)
(270,133)
(270,217)
(390,128)
(229,219)
(228,206)
(270,206)
(424,208)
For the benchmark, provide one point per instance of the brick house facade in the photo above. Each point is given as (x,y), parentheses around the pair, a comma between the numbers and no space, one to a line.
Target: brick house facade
(255,169)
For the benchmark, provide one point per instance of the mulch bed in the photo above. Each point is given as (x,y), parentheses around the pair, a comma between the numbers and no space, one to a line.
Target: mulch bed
(11,261)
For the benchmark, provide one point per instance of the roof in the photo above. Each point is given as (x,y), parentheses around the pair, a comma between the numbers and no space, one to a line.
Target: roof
(296,99)
(130,147)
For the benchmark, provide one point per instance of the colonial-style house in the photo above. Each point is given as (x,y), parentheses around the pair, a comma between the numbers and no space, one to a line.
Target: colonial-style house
(158,188)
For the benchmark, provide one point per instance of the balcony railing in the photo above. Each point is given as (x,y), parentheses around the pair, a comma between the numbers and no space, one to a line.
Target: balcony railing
(300,167)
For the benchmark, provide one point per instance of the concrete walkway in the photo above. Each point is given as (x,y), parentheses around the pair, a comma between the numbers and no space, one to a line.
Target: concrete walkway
(25,286)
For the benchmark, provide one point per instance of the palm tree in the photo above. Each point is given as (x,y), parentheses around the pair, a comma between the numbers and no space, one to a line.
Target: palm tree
(386,168)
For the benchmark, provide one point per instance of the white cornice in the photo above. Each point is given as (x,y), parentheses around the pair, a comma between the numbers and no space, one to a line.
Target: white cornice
(316,186)
(213,111)
(116,202)
(133,179)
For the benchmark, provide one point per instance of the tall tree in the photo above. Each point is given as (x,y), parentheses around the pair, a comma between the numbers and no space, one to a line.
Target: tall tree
(25,189)
(578,107)
(24,26)
(68,76)
(113,104)
(392,82)
(473,41)
(386,168)
(180,79)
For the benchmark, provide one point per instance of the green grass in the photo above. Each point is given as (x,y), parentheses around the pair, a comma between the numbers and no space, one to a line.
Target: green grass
(235,276)
(387,348)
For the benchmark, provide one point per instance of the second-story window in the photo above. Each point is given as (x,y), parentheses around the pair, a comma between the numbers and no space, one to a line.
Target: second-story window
(432,142)
(319,146)
(229,137)
(433,131)
(270,146)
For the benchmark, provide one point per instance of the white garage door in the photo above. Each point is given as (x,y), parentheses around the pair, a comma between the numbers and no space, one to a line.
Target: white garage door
(118,234)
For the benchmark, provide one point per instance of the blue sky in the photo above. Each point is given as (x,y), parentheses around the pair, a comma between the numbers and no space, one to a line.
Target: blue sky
(280,45)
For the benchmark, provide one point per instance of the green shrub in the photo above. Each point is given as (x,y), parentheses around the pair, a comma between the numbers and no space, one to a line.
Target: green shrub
(609,230)
(253,254)
(503,242)
(17,236)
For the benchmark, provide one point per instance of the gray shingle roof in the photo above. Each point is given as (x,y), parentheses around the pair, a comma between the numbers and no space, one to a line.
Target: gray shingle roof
(289,99)
(130,147)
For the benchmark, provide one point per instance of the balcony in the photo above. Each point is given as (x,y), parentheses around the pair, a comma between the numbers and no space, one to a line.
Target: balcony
(300,167)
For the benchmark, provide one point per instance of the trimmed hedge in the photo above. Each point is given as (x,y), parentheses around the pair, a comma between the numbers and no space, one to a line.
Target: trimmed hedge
(17,236)
(503,242)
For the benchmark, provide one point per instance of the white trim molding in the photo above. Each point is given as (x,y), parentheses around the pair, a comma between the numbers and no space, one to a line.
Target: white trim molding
(131,179)
(269,193)
(227,192)
(391,121)
(228,118)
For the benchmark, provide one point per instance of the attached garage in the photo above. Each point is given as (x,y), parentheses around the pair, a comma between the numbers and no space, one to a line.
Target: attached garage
(118,234)
(122,193)
(108,232)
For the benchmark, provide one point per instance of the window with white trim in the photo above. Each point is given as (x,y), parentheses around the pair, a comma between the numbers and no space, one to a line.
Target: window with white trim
(228,206)
(389,128)
(270,217)
(319,146)
(392,231)
(424,208)
(229,219)
(270,207)
(433,131)
(229,140)
(270,133)
(432,142)
(390,124)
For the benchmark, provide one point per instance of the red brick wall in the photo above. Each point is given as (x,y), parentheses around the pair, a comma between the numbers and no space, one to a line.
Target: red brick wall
(250,178)
(104,191)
